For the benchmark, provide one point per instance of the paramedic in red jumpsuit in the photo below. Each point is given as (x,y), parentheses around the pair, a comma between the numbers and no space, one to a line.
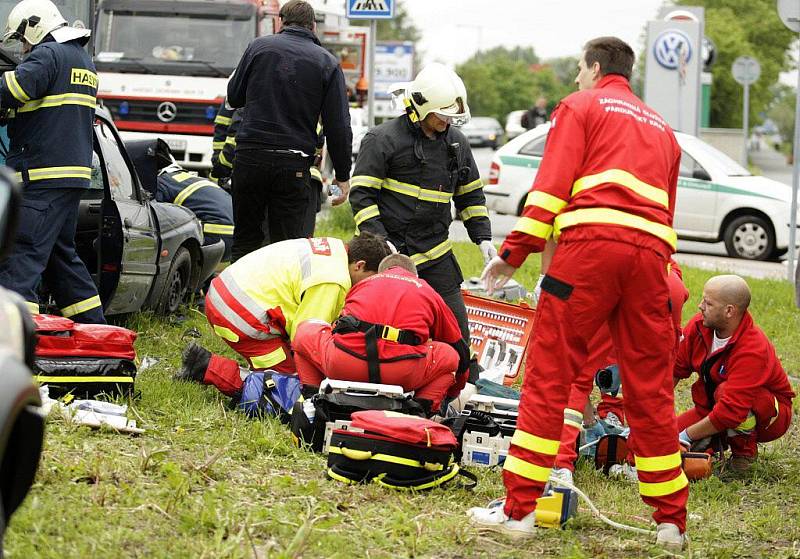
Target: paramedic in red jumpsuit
(602,354)
(396,297)
(606,192)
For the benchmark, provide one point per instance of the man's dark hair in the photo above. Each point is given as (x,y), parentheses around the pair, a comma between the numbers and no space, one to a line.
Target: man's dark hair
(614,55)
(369,248)
(297,12)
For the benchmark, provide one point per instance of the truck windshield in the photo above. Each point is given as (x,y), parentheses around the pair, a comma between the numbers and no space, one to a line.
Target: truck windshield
(131,40)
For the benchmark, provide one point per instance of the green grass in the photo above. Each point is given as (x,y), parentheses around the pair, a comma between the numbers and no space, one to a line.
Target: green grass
(204,481)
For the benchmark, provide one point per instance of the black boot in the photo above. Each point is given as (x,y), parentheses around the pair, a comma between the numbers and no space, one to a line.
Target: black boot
(194,363)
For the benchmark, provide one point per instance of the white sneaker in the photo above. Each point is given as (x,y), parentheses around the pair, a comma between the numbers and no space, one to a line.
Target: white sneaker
(669,536)
(564,474)
(624,471)
(493,519)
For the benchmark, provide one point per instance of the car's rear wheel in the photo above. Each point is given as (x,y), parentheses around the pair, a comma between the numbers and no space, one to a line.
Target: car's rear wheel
(177,286)
(750,237)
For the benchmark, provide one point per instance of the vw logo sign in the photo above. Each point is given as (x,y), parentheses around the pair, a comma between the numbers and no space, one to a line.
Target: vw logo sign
(669,46)
(166,111)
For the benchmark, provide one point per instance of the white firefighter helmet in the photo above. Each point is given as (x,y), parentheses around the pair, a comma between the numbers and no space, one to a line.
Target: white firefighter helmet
(437,89)
(32,20)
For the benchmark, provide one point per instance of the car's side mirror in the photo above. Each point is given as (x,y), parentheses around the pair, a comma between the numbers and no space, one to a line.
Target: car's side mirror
(701,175)
(10,196)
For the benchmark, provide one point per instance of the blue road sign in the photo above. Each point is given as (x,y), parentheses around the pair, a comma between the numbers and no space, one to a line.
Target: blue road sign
(370,9)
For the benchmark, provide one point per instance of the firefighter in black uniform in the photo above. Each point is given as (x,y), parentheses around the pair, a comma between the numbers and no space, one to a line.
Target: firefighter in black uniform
(51,97)
(168,182)
(407,172)
(286,82)
(226,124)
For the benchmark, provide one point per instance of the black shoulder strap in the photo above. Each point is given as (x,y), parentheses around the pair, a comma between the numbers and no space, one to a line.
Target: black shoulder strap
(373,364)
(705,374)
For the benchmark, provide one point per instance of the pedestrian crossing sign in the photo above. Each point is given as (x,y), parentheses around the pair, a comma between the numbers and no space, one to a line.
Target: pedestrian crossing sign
(370,9)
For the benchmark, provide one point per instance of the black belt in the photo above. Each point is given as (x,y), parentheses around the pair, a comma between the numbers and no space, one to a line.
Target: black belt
(349,324)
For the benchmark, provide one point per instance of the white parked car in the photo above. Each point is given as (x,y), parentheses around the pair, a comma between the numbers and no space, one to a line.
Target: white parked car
(717,199)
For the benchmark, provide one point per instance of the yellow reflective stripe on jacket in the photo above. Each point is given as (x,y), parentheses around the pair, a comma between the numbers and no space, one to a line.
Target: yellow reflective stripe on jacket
(224,160)
(223,120)
(268,360)
(748,424)
(218,229)
(469,187)
(191,189)
(217,145)
(657,463)
(616,217)
(81,306)
(365,181)
(534,443)
(69,172)
(60,380)
(14,88)
(58,101)
(226,333)
(33,308)
(552,204)
(436,252)
(316,174)
(534,227)
(183,176)
(622,178)
(424,194)
(573,418)
(367,213)
(230,140)
(664,487)
(525,469)
(473,211)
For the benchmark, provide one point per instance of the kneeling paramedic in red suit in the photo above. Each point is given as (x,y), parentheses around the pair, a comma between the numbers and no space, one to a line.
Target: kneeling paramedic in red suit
(605,191)
(742,390)
(256,303)
(601,354)
(394,329)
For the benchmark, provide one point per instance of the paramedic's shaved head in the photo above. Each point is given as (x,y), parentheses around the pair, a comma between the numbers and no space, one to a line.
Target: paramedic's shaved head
(400,260)
(731,290)
(725,300)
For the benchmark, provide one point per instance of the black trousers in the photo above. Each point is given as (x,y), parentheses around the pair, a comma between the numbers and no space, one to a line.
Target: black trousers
(45,249)
(272,198)
(445,277)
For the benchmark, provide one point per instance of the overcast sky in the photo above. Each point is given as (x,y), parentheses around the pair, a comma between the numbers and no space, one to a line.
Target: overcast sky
(452,30)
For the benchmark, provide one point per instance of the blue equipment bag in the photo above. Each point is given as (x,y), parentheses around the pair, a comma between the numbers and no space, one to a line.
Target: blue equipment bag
(269,393)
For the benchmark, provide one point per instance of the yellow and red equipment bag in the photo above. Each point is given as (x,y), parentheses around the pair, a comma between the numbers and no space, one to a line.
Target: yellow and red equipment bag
(394,450)
(83,359)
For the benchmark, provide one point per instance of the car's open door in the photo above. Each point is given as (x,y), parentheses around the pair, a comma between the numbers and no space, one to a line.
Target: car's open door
(129,241)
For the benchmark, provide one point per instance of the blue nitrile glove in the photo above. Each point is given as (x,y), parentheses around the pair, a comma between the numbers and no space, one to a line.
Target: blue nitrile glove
(685,439)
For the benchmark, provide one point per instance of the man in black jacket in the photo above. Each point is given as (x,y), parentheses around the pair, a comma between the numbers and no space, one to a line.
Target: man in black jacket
(288,81)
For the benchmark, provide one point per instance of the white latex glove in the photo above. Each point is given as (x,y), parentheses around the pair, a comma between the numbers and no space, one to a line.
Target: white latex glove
(496,274)
(537,291)
(487,250)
